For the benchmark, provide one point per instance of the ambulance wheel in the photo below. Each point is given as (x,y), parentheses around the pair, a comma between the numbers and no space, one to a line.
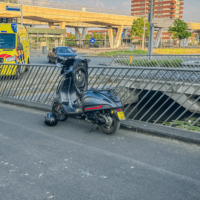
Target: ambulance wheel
(56,61)
(49,60)
(26,69)
(18,73)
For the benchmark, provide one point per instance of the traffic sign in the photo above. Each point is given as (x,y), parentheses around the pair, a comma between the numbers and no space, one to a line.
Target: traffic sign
(131,48)
(13,8)
(123,35)
(92,40)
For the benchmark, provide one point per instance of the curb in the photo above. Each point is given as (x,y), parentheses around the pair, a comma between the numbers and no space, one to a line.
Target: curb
(104,64)
(162,131)
(26,104)
(136,126)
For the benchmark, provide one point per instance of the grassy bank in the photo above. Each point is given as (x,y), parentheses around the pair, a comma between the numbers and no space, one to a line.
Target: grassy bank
(114,53)
(176,51)
(152,63)
(155,51)
(186,125)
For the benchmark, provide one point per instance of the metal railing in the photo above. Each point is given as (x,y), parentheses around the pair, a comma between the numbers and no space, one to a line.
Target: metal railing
(166,96)
(161,60)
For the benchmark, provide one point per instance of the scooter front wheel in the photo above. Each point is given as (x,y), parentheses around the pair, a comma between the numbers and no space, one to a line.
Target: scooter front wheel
(59,115)
(113,128)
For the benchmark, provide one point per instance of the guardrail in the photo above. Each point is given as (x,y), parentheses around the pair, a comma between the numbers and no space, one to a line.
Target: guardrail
(172,61)
(166,96)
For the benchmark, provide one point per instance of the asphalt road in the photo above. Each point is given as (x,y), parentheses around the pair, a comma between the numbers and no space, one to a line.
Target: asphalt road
(42,59)
(67,162)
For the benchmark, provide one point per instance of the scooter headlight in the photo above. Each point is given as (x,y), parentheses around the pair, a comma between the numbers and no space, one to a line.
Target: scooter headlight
(10,59)
(76,57)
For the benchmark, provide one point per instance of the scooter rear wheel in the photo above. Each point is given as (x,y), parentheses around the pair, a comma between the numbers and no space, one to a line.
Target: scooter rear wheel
(113,128)
(59,116)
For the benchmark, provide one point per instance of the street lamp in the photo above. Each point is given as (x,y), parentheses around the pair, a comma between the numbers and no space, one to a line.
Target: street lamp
(151,31)
(143,37)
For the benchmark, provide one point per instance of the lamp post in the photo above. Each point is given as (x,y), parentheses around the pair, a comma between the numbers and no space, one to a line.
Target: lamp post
(21,15)
(143,36)
(151,31)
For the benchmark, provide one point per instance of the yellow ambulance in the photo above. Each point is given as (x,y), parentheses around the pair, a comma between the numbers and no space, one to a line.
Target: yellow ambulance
(14,49)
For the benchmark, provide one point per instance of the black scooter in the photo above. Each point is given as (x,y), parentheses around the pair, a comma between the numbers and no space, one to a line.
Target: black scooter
(101,107)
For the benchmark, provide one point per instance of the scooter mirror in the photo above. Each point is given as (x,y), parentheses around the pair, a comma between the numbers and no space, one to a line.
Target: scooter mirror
(87,60)
(58,65)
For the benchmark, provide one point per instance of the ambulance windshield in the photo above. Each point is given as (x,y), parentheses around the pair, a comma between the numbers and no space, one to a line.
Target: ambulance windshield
(7,41)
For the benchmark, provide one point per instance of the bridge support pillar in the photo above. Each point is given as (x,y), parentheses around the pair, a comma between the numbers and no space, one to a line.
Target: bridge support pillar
(77,33)
(184,43)
(110,35)
(197,38)
(159,35)
(84,31)
(118,36)
(125,32)
(51,25)
(62,25)
(61,41)
(187,41)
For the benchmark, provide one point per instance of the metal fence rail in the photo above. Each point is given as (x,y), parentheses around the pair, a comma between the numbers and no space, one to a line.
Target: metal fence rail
(38,84)
(167,96)
(172,61)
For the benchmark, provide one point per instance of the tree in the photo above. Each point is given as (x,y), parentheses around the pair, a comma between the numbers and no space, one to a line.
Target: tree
(71,37)
(95,35)
(137,26)
(88,36)
(101,36)
(179,30)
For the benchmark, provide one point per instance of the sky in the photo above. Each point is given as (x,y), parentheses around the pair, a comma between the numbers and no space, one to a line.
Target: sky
(191,7)
(191,10)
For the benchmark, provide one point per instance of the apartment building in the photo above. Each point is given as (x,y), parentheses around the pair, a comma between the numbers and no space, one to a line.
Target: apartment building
(162,8)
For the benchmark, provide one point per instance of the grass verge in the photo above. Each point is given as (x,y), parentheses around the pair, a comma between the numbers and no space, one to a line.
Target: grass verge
(186,125)
(176,51)
(155,51)
(153,63)
(114,53)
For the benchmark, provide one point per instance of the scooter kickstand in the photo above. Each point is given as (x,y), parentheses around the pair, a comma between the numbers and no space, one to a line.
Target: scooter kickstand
(97,128)
(91,129)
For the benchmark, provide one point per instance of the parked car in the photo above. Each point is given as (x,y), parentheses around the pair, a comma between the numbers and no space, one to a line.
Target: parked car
(58,54)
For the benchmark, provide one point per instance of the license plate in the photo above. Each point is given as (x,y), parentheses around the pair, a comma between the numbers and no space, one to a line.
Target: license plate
(121,115)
